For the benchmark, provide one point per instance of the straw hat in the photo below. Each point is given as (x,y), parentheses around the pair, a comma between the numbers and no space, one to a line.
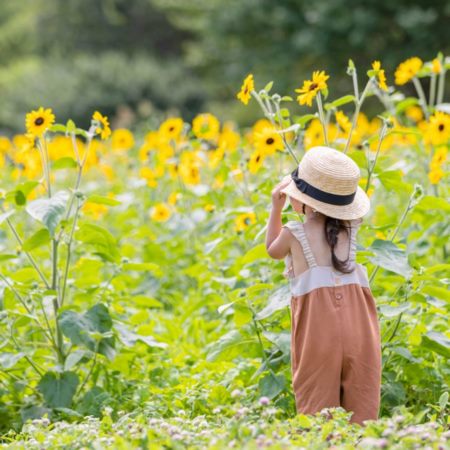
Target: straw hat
(327,180)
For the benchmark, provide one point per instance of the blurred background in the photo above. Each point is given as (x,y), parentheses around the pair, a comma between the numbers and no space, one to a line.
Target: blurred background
(138,61)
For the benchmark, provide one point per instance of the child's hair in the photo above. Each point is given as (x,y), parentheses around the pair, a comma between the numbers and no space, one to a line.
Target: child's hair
(332,228)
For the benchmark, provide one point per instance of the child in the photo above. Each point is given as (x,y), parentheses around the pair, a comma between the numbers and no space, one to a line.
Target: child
(335,336)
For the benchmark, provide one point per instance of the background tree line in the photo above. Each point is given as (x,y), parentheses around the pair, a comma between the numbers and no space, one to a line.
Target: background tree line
(141,59)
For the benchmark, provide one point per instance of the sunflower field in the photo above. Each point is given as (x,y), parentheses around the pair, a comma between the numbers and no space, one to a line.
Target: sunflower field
(139,307)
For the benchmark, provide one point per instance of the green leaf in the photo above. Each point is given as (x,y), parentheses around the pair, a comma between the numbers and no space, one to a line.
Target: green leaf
(101,200)
(129,338)
(271,385)
(49,211)
(280,299)
(443,400)
(9,360)
(84,329)
(20,193)
(100,239)
(74,358)
(393,180)
(436,291)
(282,340)
(6,215)
(436,203)
(232,345)
(268,86)
(64,163)
(38,239)
(145,301)
(437,343)
(70,126)
(388,256)
(211,245)
(7,257)
(92,402)
(393,311)
(257,252)
(143,267)
(406,103)
(339,102)
(303,120)
(58,389)
(304,421)
(58,127)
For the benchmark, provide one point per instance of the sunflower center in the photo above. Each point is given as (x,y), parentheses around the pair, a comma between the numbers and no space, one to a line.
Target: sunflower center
(313,86)
(171,128)
(39,121)
(270,141)
(258,158)
(441,127)
(247,221)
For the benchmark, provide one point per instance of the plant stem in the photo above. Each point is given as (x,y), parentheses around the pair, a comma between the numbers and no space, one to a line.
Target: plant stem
(432,90)
(69,252)
(30,361)
(267,110)
(441,87)
(402,219)
(94,361)
(359,102)
(31,259)
(421,94)
(321,117)
(371,167)
(29,311)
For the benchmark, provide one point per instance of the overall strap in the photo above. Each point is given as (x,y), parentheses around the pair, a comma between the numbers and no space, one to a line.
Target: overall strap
(299,233)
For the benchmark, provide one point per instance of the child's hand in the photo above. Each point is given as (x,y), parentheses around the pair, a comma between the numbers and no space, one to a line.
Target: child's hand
(279,198)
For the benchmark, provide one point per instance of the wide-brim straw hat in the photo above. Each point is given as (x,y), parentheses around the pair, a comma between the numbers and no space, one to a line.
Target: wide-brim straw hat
(327,181)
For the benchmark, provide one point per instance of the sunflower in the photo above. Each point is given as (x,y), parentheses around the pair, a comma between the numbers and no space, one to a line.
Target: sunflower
(439,157)
(209,207)
(407,70)
(310,88)
(94,209)
(435,175)
(243,221)
(190,173)
(229,139)
(160,212)
(256,161)
(436,66)
(376,66)
(122,139)
(414,113)
(103,128)
(37,122)
(438,129)
(268,141)
(174,197)
(5,144)
(171,128)
(247,87)
(149,175)
(206,126)
(343,121)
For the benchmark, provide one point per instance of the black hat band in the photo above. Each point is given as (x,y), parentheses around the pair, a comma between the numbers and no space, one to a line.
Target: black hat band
(318,194)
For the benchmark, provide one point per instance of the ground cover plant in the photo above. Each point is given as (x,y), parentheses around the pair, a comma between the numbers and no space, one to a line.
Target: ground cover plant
(139,306)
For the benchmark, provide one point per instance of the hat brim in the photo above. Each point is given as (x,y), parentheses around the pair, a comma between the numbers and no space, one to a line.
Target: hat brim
(358,208)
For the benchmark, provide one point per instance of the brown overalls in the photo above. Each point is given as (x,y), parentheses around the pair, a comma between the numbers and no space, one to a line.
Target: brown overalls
(335,336)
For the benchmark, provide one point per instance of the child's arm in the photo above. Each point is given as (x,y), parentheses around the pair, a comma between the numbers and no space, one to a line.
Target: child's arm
(277,238)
